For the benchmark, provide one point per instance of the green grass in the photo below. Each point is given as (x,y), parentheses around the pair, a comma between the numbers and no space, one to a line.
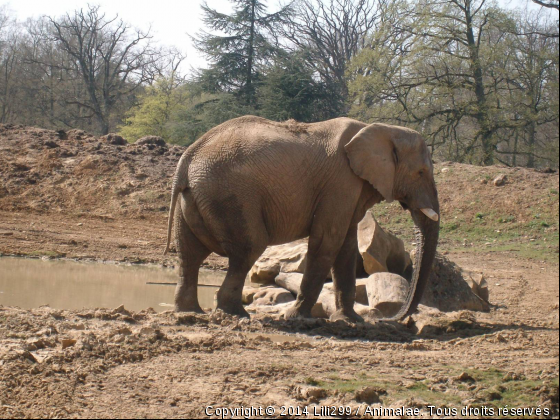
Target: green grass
(535,237)
(46,253)
(518,393)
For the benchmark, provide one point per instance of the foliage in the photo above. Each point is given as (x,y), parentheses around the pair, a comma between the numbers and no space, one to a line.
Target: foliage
(475,80)
(479,82)
(289,91)
(246,45)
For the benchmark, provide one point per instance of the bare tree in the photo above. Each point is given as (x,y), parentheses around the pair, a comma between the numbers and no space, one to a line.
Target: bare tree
(331,33)
(553,4)
(532,83)
(111,59)
(10,38)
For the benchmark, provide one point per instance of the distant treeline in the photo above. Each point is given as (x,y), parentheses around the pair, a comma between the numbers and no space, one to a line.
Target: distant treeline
(478,81)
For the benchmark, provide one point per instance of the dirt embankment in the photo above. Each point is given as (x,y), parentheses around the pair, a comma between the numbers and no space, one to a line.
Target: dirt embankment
(75,196)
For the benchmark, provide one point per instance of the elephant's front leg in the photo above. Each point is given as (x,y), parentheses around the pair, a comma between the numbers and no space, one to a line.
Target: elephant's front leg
(344,279)
(324,245)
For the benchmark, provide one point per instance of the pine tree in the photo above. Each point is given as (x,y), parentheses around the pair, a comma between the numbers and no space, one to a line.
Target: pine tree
(247,43)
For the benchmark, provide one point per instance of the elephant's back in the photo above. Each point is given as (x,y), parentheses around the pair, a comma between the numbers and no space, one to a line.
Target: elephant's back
(277,171)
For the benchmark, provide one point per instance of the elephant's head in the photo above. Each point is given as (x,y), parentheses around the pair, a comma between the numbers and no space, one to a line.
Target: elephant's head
(397,162)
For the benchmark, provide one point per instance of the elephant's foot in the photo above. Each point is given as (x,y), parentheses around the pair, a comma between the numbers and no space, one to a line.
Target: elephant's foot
(234,310)
(348,315)
(297,312)
(188,307)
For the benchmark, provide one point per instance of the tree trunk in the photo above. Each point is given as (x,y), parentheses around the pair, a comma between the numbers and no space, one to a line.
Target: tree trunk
(249,84)
(485,131)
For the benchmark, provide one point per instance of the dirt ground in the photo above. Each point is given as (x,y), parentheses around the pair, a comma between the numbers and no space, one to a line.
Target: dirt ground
(61,198)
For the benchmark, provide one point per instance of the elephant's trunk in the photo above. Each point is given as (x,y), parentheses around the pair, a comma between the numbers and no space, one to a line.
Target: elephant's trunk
(427,234)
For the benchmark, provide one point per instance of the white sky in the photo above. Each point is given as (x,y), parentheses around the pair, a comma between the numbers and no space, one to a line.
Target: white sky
(172,21)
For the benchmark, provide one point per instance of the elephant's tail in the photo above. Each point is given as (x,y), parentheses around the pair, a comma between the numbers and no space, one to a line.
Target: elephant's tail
(180,183)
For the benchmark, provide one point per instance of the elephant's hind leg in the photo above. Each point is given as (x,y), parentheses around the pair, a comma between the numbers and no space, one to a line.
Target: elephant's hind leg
(230,293)
(191,255)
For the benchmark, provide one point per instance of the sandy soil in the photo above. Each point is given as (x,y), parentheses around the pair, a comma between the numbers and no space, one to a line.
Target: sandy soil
(145,364)
(69,201)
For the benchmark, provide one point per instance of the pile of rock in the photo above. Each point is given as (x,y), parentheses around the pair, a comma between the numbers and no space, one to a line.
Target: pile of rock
(387,269)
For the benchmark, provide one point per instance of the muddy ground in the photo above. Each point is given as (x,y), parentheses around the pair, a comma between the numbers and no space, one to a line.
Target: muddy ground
(74,196)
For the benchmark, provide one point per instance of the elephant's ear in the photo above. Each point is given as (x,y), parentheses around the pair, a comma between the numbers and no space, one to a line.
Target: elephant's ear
(372,158)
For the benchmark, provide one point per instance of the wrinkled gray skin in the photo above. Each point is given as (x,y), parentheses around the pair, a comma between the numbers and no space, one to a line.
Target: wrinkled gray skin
(250,183)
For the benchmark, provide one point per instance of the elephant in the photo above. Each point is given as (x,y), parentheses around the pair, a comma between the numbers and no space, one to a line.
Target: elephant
(250,183)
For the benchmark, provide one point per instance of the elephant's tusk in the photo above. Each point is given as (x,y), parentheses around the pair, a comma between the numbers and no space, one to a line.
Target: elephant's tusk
(431,214)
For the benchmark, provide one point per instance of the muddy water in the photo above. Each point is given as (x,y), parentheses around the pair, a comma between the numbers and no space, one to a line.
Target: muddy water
(30,283)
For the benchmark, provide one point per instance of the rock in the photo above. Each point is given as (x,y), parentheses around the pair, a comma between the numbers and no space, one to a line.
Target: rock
(62,135)
(326,305)
(448,290)
(288,258)
(431,322)
(464,377)
(386,292)
(153,140)
(248,294)
(500,180)
(76,134)
(361,291)
(310,393)
(269,309)
(512,376)
(478,284)
(51,144)
(68,343)
(121,310)
(368,395)
(382,251)
(289,281)
(113,138)
(272,296)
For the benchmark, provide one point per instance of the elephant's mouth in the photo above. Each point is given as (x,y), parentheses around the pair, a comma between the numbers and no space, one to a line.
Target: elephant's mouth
(404,205)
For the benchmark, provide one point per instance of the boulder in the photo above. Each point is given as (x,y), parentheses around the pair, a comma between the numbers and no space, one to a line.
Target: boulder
(269,309)
(151,140)
(289,281)
(288,258)
(113,138)
(500,180)
(382,251)
(478,284)
(386,292)
(272,296)
(451,289)
(361,291)
(325,305)
(248,295)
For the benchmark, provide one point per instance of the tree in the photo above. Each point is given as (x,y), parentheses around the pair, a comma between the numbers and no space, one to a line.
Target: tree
(532,83)
(290,91)
(447,83)
(552,4)
(247,45)
(156,106)
(10,64)
(110,58)
(329,34)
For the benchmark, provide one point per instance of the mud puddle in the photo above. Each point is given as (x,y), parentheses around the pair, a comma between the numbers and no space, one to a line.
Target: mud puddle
(30,283)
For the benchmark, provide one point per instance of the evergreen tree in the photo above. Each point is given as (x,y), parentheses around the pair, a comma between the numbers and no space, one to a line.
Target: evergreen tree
(245,45)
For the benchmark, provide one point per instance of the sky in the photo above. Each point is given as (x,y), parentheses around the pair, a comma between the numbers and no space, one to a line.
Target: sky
(171,21)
